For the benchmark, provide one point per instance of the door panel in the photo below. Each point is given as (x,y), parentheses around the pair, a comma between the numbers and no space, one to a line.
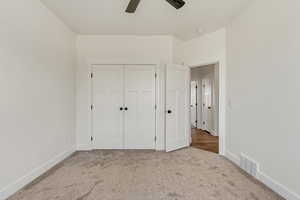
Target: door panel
(194,104)
(108,97)
(207,114)
(177,106)
(140,101)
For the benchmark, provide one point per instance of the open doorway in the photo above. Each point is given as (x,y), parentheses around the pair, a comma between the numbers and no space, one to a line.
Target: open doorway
(204,109)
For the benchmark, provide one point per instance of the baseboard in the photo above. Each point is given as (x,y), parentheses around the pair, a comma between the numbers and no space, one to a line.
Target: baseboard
(160,148)
(35,173)
(268,181)
(214,133)
(233,158)
(83,147)
(87,147)
(277,187)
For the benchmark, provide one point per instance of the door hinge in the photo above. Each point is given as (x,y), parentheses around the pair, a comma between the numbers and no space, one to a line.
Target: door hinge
(155,107)
(196,87)
(92,138)
(92,107)
(92,75)
(155,138)
(155,75)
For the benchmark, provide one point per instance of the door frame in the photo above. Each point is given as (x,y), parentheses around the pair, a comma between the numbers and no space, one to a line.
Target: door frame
(222,100)
(157,96)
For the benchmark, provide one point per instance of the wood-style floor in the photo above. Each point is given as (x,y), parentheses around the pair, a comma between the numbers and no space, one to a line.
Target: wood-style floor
(203,140)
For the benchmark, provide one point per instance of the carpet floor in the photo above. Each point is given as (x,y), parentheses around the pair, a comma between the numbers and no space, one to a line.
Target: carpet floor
(188,174)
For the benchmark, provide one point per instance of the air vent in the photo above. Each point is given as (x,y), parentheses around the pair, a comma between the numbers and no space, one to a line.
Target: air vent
(249,165)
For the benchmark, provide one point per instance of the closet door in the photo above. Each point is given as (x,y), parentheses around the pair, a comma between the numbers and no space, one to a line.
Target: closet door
(139,107)
(108,98)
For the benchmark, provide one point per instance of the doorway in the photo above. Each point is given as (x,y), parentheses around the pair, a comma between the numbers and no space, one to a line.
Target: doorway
(204,108)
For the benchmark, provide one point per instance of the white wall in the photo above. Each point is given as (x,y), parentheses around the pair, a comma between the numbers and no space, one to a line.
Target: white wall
(263,46)
(177,50)
(37,87)
(113,49)
(202,49)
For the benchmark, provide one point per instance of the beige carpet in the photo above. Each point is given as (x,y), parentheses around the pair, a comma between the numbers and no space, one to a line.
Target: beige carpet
(189,174)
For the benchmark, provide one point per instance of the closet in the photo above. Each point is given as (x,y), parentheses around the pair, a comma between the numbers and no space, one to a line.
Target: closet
(123,99)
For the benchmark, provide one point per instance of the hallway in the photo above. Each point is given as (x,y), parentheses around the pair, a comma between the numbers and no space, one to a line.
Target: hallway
(203,140)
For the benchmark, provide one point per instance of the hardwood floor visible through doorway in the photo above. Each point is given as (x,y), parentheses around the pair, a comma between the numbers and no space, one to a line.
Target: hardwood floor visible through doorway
(205,141)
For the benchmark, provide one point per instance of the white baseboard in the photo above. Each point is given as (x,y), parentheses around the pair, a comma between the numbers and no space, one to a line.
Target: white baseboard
(214,133)
(268,181)
(277,187)
(84,147)
(233,158)
(35,173)
(87,147)
(160,148)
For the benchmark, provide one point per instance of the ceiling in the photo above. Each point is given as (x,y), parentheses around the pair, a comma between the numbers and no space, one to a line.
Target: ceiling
(153,17)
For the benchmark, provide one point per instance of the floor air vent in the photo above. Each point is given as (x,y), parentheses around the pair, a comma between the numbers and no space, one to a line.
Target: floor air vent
(249,165)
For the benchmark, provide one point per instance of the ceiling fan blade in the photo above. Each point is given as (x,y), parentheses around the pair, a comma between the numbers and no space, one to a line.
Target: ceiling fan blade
(176,3)
(133,4)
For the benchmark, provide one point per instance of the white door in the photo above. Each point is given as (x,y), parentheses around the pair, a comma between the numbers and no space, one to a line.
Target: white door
(108,98)
(177,107)
(194,104)
(139,107)
(207,115)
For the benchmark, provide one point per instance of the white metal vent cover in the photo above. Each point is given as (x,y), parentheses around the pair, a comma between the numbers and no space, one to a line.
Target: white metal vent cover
(249,165)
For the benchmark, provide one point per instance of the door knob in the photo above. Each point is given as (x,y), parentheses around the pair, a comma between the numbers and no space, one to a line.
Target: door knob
(126,108)
(169,111)
(121,108)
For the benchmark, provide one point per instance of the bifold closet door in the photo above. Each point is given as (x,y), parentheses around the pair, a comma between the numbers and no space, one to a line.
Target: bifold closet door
(108,99)
(140,104)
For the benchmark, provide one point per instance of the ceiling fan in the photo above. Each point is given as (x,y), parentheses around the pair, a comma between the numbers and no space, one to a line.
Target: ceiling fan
(133,4)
